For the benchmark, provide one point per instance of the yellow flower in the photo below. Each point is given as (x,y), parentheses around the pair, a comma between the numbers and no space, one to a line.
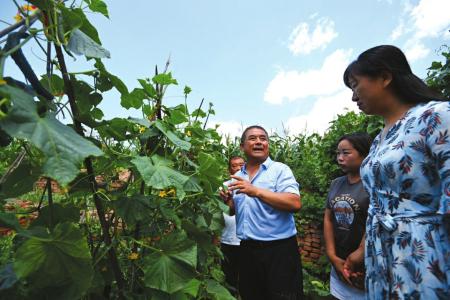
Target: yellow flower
(18,18)
(29,7)
(162,194)
(171,192)
(142,129)
(188,133)
(133,256)
(2,82)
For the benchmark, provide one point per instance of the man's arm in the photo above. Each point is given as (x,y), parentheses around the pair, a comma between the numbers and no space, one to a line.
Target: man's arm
(281,201)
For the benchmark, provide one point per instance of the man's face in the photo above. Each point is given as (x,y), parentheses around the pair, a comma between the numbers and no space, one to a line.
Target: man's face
(235,165)
(256,144)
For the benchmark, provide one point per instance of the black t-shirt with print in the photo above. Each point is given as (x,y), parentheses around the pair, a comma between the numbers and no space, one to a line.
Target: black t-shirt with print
(348,204)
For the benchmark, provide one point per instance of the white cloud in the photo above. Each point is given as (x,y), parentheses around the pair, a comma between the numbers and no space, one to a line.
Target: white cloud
(302,41)
(431,18)
(229,129)
(415,50)
(323,112)
(398,31)
(293,85)
(427,19)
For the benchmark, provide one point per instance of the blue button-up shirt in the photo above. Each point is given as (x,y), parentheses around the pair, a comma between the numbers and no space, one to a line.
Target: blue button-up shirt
(257,220)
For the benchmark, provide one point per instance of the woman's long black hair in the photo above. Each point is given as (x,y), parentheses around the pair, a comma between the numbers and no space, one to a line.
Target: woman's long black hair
(386,59)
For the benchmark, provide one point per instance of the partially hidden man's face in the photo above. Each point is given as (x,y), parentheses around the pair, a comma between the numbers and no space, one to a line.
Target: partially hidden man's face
(235,165)
(256,144)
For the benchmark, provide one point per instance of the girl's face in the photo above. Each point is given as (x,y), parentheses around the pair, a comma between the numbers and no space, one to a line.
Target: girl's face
(370,94)
(348,157)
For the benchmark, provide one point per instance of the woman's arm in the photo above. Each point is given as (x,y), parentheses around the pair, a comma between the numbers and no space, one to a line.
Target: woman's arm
(355,260)
(328,234)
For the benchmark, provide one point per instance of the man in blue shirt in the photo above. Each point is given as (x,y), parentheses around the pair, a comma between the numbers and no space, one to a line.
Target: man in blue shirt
(265,195)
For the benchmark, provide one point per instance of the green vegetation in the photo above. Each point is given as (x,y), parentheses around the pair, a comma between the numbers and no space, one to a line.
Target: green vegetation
(136,208)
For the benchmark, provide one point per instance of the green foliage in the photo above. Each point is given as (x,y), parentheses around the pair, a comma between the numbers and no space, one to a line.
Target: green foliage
(58,263)
(439,74)
(135,219)
(313,287)
(64,150)
(172,266)
(138,206)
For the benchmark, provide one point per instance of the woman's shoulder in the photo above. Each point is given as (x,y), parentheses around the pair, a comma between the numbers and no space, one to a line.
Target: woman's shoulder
(339,180)
(424,109)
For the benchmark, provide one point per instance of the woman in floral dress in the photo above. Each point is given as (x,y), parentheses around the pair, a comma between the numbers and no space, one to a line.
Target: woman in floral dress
(407,176)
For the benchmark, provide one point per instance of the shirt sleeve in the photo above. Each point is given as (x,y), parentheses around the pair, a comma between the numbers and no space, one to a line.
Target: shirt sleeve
(439,142)
(330,191)
(286,182)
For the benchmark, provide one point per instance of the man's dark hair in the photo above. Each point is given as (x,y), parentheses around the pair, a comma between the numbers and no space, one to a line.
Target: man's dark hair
(244,134)
(361,141)
(233,158)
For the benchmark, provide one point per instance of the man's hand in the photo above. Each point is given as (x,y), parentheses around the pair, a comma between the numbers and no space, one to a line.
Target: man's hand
(225,195)
(244,186)
(279,200)
(227,198)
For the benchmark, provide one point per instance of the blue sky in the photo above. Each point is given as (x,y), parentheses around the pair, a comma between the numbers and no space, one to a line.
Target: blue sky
(274,63)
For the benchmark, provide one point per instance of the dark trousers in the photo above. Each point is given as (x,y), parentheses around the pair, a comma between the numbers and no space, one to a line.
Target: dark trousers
(230,264)
(270,270)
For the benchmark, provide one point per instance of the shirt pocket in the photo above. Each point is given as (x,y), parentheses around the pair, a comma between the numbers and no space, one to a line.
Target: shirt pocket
(267,184)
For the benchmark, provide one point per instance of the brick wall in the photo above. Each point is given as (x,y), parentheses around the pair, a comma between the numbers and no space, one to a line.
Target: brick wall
(311,242)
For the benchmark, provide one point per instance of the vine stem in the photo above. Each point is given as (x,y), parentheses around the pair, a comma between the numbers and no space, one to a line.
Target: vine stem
(50,202)
(112,255)
(13,27)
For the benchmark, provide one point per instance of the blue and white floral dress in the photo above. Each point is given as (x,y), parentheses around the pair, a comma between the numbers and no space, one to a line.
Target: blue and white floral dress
(407,175)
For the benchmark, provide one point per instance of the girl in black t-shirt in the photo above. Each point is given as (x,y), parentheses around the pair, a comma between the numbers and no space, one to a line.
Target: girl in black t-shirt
(345,219)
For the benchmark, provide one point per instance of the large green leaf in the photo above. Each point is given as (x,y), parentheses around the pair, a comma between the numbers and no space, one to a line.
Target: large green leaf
(200,235)
(115,81)
(51,216)
(178,114)
(56,263)
(71,20)
(164,79)
(158,173)
(172,136)
(87,27)
(192,185)
(217,292)
(210,171)
(81,44)
(187,293)
(148,88)
(98,6)
(63,148)
(173,267)
(9,220)
(116,128)
(142,122)
(54,84)
(135,99)
(134,209)
(21,180)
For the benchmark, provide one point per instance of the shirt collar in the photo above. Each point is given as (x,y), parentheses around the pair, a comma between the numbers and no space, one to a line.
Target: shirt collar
(266,164)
